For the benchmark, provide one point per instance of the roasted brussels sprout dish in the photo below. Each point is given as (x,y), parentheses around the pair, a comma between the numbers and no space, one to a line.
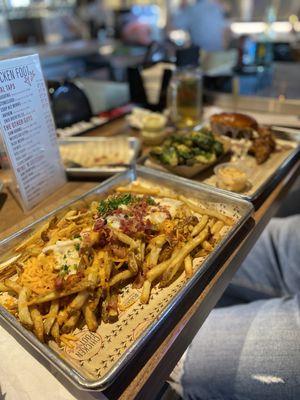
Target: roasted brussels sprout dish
(188,149)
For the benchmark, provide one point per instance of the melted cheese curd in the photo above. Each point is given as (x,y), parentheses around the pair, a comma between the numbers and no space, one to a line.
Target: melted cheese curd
(66,253)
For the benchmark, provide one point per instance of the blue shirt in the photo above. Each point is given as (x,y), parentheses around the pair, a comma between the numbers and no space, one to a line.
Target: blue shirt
(205,23)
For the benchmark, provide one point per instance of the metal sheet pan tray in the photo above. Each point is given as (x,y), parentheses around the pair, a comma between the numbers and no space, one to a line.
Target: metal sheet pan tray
(262,178)
(92,157)
(99,357)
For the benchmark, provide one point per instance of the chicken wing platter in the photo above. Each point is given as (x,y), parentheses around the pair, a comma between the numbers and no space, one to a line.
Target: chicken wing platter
(255,157)
(88,284)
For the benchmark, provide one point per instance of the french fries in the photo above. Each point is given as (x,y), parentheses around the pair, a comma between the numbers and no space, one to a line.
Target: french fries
(125,239)
(146,292)
(71,271)
(217,227)
(76,304)
(24,314)
(58,295)
(138,190)
(206,211)
(120,277)
(55,332)
(51,317)
(8,269)
(38,326)
(3,287)
(158,270)
(198,228)
(188,266)
(70,324)
(36,236)
(90,317)
(177,261)
(12,285)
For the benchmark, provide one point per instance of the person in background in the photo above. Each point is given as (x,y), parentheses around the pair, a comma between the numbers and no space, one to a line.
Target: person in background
(206,23)
(94,14)
(136,32)
(249,346)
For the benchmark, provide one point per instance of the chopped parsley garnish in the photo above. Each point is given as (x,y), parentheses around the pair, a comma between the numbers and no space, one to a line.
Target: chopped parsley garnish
(114,202)
(151,201)
(77,246)
(64,270)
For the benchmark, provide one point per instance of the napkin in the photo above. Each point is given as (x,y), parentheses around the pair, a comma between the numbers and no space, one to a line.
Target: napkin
(24,377)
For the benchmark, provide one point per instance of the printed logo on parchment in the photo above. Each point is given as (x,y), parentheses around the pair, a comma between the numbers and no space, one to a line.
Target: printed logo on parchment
(87,345)
(139,329)
(128,300)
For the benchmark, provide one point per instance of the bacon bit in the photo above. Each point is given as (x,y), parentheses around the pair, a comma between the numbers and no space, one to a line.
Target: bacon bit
(59,283)
(104,237)
(118,251)
(99,224)
(136,224)
(44,236)
(118,211)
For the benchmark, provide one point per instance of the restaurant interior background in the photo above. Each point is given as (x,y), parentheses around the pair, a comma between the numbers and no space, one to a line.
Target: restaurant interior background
(100,40)
(102,58)
(93,51)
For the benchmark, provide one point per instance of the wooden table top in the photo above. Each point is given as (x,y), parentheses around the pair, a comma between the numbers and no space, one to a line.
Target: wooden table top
(12,217)
(153,367)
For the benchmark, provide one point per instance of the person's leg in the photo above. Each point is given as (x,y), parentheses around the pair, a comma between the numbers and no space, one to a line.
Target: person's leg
(291,204)
(245,352)
(233,339)
(272,268)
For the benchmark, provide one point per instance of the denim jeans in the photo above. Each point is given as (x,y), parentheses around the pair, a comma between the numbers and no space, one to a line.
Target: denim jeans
(249,347)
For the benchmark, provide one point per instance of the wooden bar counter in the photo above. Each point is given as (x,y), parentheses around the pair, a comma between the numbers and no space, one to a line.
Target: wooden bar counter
(153,366)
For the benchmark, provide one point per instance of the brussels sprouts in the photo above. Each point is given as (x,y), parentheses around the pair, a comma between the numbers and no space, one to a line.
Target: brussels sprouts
(184,152)
(169,157)
(218,148)
(206,158)
(188,149)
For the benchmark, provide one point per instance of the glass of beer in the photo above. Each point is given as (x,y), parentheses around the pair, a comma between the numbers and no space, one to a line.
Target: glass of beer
(185,97)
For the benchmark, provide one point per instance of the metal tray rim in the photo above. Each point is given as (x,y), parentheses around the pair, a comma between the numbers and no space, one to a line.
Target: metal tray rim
(104,170)
(260,190)
(74,376)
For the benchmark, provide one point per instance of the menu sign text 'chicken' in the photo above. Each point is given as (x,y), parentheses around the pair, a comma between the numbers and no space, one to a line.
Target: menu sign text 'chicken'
(28,131)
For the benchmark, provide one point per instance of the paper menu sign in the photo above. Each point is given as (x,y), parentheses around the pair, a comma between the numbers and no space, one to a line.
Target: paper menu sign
(28,130)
